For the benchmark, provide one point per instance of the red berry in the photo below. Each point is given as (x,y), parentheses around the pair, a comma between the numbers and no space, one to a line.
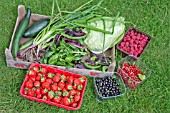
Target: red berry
(124,48)
(39,96)
(124,40)
(135,54)
(143,36)
(131,49)
(127,44)
(132,33)
(120,47)
(136,41)
(138,52)
(61,85)
(133,37)
(135,46)
(139,46)
(146,37)
(138,35)
(140,49)
(131,42)
(131,52)
(137,38)
(37,91)
(122,44)
(49,80)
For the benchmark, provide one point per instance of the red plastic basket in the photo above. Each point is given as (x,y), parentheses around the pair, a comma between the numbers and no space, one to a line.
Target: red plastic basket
(51,69)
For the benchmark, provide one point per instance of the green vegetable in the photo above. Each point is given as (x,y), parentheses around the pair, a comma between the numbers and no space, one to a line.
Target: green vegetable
(94,28)
(36,28)
(141,77)
(95,39)
(45,61)
(69,59)
(91,66)
(19,33)
(64,54)
(69,20)
(53,59)
(25,45)
(104,68)
(48,54)
(93,58)
(71,37)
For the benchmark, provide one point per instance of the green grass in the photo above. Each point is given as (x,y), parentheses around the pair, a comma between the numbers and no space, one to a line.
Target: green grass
(150,16)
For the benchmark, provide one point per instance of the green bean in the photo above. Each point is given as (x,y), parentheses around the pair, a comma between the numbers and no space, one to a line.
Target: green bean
(114,22)
(104,35)
(71,64)
(93,58)
(71,37)
(42,60)
(45,61)
(60,63)
(69,59)
(25,45)
(91,66)
(53,48)
(48,54)
(53,59)
(94,19)
(104,68)
(93,28)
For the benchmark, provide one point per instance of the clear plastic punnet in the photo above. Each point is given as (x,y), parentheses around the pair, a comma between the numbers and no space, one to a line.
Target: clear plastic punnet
(130,81)
(119,85)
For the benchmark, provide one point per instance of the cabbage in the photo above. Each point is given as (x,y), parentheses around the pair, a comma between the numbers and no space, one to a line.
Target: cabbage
(95,40)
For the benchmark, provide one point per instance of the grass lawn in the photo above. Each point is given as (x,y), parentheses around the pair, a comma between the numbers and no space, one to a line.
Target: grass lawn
(150,16)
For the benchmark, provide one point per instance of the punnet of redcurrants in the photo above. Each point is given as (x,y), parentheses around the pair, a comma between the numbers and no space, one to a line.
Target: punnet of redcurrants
(108,86)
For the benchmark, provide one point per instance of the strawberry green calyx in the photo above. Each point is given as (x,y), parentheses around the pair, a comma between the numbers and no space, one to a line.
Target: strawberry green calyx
(70,88)
(63,77)
(82,79)
(58,93)
(44,98)
(80,87)
(51,75)
(51,93)
(45,90)
(78,93)
(65,93)
(71,96)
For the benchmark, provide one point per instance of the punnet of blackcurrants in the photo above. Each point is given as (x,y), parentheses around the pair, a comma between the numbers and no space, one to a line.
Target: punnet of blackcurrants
(109,86)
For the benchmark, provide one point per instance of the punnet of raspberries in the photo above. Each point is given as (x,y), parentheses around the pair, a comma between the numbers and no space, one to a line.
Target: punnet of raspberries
(134,42)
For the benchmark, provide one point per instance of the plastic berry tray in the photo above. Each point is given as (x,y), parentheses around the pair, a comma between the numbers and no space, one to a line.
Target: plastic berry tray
(119,80)
(128,81)
(125,53)
(55,70)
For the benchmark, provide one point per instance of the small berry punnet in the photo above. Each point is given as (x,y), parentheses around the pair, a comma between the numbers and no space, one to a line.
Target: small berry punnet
(133,72)
(134,42)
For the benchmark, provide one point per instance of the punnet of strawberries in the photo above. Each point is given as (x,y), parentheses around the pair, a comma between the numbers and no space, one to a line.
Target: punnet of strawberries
(134,42)
(53,86)
(131,74)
